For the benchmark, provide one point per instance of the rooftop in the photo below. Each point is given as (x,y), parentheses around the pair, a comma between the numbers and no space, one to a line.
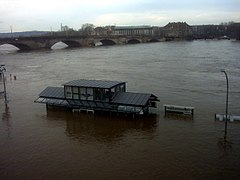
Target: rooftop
(130,98)
(93,83)
(132,27)
(124,98)
(52,92)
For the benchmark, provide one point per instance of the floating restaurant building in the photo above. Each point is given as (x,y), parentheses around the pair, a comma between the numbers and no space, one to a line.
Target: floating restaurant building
(97,95)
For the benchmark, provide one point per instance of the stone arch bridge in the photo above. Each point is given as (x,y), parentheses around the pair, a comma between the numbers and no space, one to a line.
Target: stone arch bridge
(46,42)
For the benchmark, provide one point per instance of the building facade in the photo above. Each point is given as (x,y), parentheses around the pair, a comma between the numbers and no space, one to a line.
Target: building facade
(133,30)
(177,30)
(216,31)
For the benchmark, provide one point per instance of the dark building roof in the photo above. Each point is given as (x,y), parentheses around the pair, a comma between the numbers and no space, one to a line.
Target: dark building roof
(93,83)
(132,27)
(121,98)
(53,92)
(129,98)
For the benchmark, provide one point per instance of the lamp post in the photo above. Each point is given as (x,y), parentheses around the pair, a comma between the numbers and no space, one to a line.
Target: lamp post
(226,115)
(2,70)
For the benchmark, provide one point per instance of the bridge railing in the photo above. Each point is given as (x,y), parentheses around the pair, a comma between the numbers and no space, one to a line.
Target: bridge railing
(75,36)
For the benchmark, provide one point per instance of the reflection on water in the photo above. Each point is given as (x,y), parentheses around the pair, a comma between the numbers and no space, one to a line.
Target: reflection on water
(59,45)
(8,48)
(6,116)
(103,127)
(174,116)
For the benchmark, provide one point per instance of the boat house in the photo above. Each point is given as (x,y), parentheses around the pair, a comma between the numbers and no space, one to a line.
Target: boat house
(97,95)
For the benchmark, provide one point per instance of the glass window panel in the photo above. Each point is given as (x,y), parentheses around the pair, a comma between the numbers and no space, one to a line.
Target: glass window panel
(90,98)
(98,93)
(75,89)
(68,88)
(82,93)
(75,96)
(68,92)
(82,90)
(113,90)
(90,91)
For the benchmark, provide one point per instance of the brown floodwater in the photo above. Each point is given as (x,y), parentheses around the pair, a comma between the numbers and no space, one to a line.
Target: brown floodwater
(37,143)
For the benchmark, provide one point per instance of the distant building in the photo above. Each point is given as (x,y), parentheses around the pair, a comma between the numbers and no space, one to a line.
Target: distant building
(133,30)
(103,31)
(235,30)
(210,31)
(177,30)
(216,31)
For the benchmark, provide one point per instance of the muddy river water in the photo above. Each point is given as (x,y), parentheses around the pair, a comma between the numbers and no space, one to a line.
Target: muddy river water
(54,144)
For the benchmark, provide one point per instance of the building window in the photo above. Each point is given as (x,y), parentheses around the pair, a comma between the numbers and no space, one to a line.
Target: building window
(98,94)
(106,95)
(122,88)
(75,93)
(90,93)
(117,89)
(82,93)
(68,92)
(75,96)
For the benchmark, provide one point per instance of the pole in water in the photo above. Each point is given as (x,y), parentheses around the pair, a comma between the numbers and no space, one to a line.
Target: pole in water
(2,70)
(226,113)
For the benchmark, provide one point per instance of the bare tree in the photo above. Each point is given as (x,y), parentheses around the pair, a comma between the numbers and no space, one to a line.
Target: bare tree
(87,29)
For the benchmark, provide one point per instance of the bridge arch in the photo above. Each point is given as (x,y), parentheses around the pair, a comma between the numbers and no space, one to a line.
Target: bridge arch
(58,45)
(107,42)
(62,44)
(19,46)
(71,43)
(133,41)
(153,40)
(8,47)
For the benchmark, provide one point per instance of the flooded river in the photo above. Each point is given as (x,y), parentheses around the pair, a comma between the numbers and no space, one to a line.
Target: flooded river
(53,144)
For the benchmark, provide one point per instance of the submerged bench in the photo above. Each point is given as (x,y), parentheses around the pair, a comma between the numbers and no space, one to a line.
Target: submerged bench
(186,110)
(231,118)
(83,110)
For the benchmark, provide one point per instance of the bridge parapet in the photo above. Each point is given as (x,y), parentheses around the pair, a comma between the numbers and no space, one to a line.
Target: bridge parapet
(46,42)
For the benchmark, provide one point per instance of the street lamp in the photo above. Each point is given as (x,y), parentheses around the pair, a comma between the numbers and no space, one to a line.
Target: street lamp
(2,70)
(226,115)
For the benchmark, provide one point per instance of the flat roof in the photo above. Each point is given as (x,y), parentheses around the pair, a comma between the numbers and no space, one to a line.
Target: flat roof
(120,98)
(130,98)
(93,83)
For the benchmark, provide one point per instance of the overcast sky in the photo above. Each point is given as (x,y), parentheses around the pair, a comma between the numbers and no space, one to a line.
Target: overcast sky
(25,15)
